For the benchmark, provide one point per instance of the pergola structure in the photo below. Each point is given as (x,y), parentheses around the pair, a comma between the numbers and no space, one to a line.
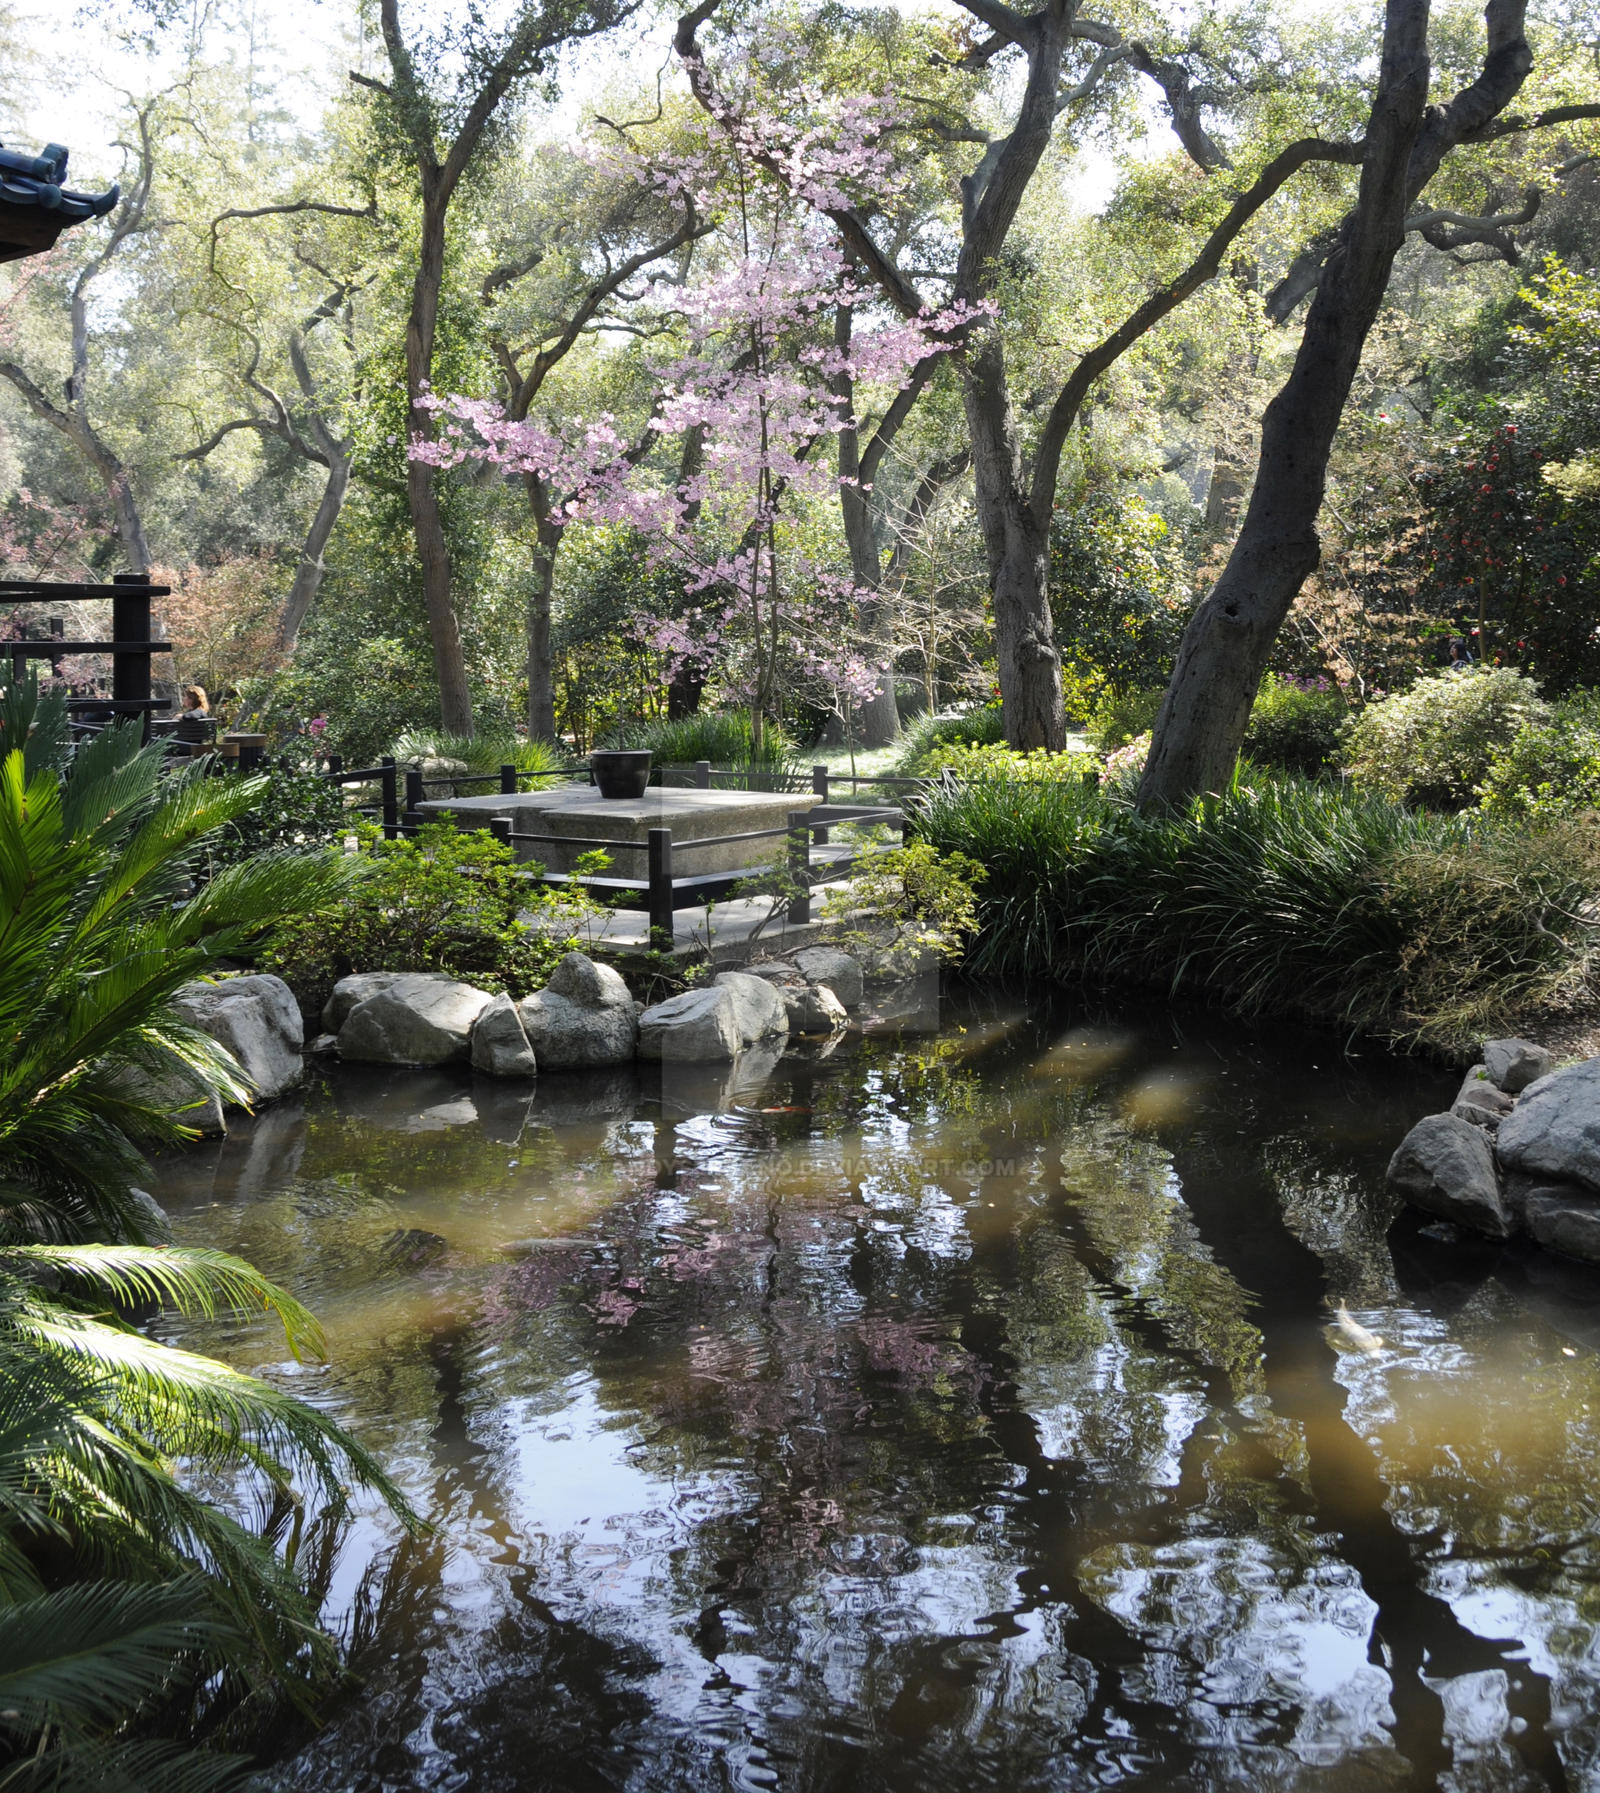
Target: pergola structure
(34,210)
(34,206)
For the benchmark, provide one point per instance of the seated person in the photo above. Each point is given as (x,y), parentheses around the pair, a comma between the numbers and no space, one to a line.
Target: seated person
(194,725)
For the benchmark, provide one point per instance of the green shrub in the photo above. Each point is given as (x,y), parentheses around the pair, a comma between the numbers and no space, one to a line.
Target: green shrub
(923,899)
(1001,762)
(1296,724)
(1435,743)
(931,734)
(1120,717)
(1550,768)
(446,899)
(1279,896)
(298,811)
(722,736)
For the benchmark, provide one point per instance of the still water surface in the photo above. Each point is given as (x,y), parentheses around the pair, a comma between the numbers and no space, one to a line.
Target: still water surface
(961,1409)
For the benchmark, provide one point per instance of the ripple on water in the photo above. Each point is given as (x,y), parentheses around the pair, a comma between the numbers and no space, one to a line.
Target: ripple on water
(991,1402)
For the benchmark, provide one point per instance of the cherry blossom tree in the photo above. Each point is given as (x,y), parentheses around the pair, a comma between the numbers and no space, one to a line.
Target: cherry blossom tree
(756,389)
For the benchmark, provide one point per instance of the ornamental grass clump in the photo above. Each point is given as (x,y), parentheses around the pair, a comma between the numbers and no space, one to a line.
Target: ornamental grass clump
(1279,896)
(724,737)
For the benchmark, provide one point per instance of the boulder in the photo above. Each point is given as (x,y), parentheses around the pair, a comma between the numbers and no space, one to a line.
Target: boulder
(1565,1219)
(1481,1102)
(1554,1133)
(838,970)
(1513,1064)
(419,1019)
(1445,1166)
(758,1009)
(500,1044)
(154,1221)
(589,984)
(698,1027)
(176,1092)
(258,1020)
(584,1017)
(808,1008)
(357,988)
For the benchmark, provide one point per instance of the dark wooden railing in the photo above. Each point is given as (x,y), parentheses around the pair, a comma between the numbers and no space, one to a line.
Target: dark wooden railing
(131,645)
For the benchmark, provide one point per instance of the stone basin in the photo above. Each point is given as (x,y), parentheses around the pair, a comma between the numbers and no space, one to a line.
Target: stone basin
(579,811)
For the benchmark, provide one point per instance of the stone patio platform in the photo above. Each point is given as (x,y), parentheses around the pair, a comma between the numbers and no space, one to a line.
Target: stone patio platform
(579,815)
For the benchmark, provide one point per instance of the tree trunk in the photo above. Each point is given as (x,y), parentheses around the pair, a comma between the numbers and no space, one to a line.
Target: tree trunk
(878,716)
(433,553)
(1019,560)
(541,663)
(309,574)
(1225,648)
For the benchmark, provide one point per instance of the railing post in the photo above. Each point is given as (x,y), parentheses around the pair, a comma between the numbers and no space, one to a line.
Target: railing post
(58,630)
(508,781)
(500,828)
(414,793)
(800,864)
(391,798)
(819,784)
(130,622)
(659,842)
(335,762)
(702,775)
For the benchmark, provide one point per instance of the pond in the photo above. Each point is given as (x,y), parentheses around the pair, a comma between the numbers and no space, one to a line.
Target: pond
(1027,1398)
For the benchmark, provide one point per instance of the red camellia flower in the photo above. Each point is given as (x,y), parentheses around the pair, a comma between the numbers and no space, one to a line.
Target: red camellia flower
(1486,489)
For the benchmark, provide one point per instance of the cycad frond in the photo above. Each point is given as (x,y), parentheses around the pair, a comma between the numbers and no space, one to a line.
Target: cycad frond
(88,1654)
(191,1279)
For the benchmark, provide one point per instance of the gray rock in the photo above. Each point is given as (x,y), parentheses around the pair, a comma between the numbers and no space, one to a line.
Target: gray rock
(838,970)
(758,1008)
(258,1020)
(1554,1133)
(1565,1219)
(178,1093)
(584,1017)
(1480,1102)
(357,988)
(592,986)
(698,1027)
(820,1012)
(419,1019)
(154,1222)
(500,1044)
(809,1008)
(1445,1166)
(1513,1064)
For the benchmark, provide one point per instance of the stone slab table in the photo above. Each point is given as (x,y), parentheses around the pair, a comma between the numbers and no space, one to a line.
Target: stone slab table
(579,812)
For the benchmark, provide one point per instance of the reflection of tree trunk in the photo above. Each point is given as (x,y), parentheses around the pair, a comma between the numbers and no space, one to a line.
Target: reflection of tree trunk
(433,552)
(541,661)
(1416,1629)
(309,574)
(1018,554)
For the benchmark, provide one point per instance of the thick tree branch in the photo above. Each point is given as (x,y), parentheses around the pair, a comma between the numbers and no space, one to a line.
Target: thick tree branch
(1166,299)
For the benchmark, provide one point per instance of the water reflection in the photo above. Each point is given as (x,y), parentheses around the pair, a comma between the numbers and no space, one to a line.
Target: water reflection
(1033,1403)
